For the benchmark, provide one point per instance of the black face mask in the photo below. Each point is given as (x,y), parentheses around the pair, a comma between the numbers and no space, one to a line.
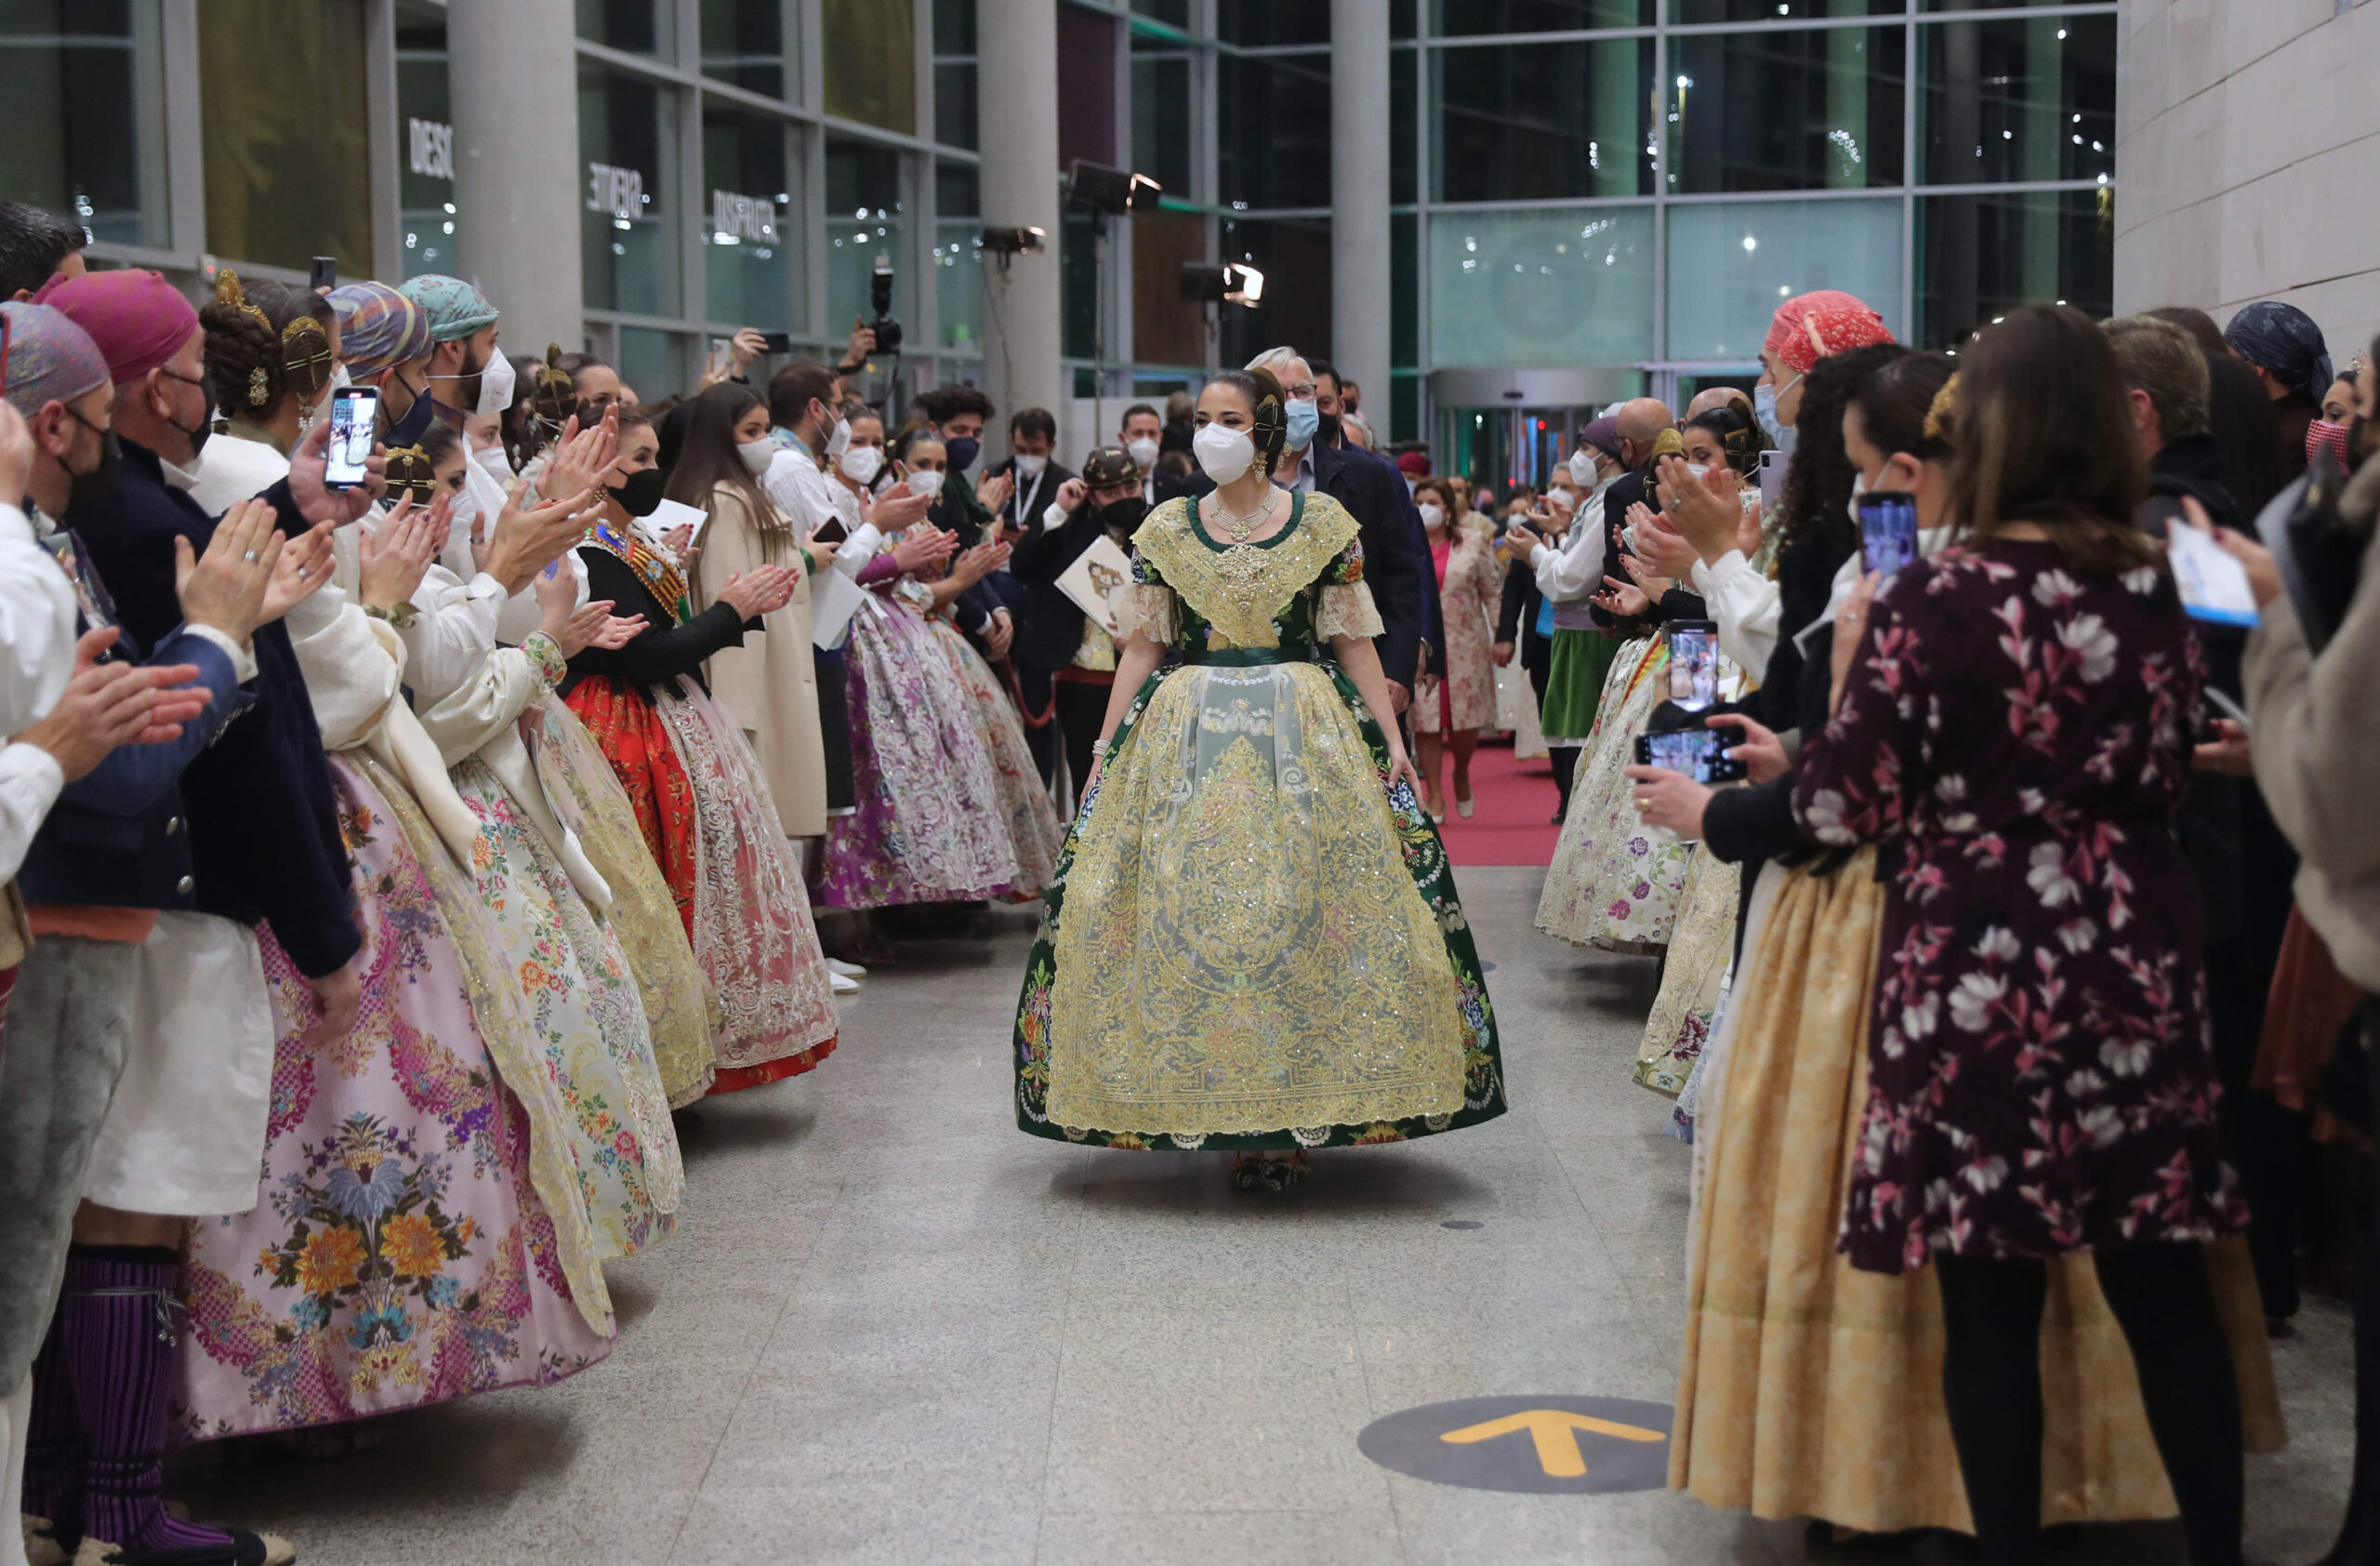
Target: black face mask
(409,429)
(99,482)
(641,493)
(205,420)
(1326,428)
(1124,517)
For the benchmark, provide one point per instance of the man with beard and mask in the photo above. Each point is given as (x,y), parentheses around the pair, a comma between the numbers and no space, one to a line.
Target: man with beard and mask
(1065,661)
(467,375)
(187,1127)
(1035,479)
(1143,435)
(1375,494)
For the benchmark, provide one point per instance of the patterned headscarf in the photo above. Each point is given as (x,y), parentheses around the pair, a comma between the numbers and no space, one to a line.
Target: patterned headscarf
(454,307)
(1810,326)
(50,358)
(378,327)
(138,319)
(2282,341)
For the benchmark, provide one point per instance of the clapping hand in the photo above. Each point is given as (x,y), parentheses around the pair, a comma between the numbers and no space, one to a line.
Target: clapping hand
(1662,548)
(106,705)
(1705,510)
(394,558)
(993,489)
(225,588)
(528,537)
(580,456)
(761,590)
(896,509)
(1623,599)
(919,549)
(305,566)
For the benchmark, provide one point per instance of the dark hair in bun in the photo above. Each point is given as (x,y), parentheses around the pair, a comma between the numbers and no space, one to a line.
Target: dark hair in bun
(1268,407)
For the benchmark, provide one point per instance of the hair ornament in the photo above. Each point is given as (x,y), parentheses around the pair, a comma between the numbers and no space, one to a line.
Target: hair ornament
(1941,417)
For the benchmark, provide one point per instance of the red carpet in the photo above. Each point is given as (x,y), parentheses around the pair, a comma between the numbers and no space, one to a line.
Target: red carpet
(1511,801)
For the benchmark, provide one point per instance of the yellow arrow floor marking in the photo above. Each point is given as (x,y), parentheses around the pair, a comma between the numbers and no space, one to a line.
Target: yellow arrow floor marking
(1556,1434)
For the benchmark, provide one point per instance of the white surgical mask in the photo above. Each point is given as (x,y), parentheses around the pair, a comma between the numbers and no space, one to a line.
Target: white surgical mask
(1224,454)
(1697,469)
(1858,487)
(495,463)
(495,386)
(1583,469)
(861,463)
(1144,451)
(1028,467)
(926,482)
(756,454)
(1433,515)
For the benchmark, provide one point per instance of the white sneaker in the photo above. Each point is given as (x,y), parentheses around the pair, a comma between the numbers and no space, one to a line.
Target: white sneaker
(841,969)
(838,985)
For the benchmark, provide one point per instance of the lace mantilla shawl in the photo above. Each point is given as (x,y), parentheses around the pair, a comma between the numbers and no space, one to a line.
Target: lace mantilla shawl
(1244,589)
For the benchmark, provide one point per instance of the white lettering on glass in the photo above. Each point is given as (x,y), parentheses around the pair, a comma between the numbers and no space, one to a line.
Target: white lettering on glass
(433,147)
(620,191)
(736,218)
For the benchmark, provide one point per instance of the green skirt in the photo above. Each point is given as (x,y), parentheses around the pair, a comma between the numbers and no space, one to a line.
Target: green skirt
(1264,948)
(1580,662)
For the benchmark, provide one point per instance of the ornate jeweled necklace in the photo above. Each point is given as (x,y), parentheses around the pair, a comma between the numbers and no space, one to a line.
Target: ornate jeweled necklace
(1237,527)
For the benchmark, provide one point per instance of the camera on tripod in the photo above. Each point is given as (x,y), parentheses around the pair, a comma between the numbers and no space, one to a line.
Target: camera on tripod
(880,296)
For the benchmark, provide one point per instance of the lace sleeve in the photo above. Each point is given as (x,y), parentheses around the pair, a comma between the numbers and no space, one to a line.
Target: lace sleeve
(1347,610)
(1149,609)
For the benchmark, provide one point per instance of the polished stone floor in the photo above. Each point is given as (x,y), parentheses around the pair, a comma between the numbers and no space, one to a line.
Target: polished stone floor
(891,1329)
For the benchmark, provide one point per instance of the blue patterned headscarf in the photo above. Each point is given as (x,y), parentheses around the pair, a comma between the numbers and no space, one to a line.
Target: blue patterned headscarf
(2284,341)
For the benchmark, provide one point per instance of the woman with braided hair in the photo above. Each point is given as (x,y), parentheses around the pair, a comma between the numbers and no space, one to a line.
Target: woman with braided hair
(1253,942)
(470,1267)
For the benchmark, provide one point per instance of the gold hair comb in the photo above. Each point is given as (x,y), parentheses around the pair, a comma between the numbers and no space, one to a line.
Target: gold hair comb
(1942,414)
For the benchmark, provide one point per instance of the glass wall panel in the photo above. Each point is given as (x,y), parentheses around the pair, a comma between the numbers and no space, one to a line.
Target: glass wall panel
(628,137)
(1405,290)
(1542,288)
(1543,122)
(1294,256)
(1461,18)
(954,72)
(1404,133)
(288,175)
(871,46)
(2033,98)
(1762,109)
(1780,10)
(750,249)
(1273,146)
(1166,329)
(863,217)
(1161,114)
(1732,263)
(652,362)
(957,257)
(86,127)
(1173,13)
(1978,256)
(1255,24)
(647,27)
(426,180)
(752,42)
(1078,288)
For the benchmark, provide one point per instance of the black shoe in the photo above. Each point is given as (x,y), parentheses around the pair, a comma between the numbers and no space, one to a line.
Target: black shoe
(243,1548)
(1560,815)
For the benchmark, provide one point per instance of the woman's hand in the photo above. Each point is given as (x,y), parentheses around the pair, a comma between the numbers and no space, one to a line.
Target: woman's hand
(979,563)
(1757,746)
(305,564)
(1748,535)
(1622,598)
(2227,751)
(392,558)
(919,549)
(1705,510)
(760,592)
(1502,654)
(1653,583)
(1850,629)
(579,457)
(1661,549)
(1400,766)
(2264,576)
(309,470)
(1668,798)
(225,588)
(993,489)
(529,536)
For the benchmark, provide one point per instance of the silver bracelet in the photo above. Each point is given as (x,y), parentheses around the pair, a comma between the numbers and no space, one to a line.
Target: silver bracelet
(1099,747)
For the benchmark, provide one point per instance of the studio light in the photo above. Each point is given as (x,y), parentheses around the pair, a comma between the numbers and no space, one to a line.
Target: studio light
(1015,242)
(1227,284)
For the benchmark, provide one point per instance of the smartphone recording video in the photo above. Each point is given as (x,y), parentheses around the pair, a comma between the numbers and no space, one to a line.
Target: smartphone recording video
(1699,754)
(1888,529)
(1694,663)
(355,425)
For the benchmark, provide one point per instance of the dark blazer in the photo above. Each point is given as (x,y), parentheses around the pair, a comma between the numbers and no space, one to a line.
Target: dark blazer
(118,836)
(664,650)
(1516,619)
(263,821)
(1395,558)
(1028,501)
(1052,626)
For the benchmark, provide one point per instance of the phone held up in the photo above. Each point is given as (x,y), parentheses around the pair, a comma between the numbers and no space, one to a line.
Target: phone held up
(1694,663)
(1888,529)
(324,276)
(1699,754)
(355,425)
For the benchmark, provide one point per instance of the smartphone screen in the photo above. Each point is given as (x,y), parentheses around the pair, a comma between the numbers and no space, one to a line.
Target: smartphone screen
(1888,529)
(355,424)
(832,531)
(1694,663)
(1699,754)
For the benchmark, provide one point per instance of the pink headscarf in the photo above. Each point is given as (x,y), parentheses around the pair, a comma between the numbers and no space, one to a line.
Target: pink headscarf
(1810,326)
(138,319)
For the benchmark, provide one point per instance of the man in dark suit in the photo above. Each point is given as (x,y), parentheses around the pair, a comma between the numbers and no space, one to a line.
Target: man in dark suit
(1034,478)
(1142,435)
(1390,527)
(1064,665)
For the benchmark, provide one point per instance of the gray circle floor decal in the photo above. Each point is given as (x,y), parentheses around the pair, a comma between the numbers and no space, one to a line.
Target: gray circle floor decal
(1537,1445)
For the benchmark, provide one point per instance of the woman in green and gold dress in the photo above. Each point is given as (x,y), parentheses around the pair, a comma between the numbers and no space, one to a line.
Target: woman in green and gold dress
(1253,942)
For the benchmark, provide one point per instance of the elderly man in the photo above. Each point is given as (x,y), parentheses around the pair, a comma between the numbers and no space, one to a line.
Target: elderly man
(1394,556)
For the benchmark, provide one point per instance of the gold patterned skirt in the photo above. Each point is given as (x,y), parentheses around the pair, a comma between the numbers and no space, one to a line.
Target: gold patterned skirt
(1810,1389)
(1252,940)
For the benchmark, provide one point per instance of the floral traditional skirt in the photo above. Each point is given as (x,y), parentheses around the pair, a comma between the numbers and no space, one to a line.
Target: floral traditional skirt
(1026,811)
(402,1253)
(1253,942)
(1614,882)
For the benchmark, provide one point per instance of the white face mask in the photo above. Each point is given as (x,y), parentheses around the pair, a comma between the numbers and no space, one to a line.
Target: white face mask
(1434,515)
(1583,469)
(1144,451)
(494,462)
(840,440)
(1858,487)
(756,454)
(926,482)
(1028,467)
(1224,454)
(1697,469)
(861,463)
(495,386)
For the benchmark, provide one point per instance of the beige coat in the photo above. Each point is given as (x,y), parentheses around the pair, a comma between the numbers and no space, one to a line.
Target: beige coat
(770,682)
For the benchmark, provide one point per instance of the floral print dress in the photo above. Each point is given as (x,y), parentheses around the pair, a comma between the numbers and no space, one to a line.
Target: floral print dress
(2015,735)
